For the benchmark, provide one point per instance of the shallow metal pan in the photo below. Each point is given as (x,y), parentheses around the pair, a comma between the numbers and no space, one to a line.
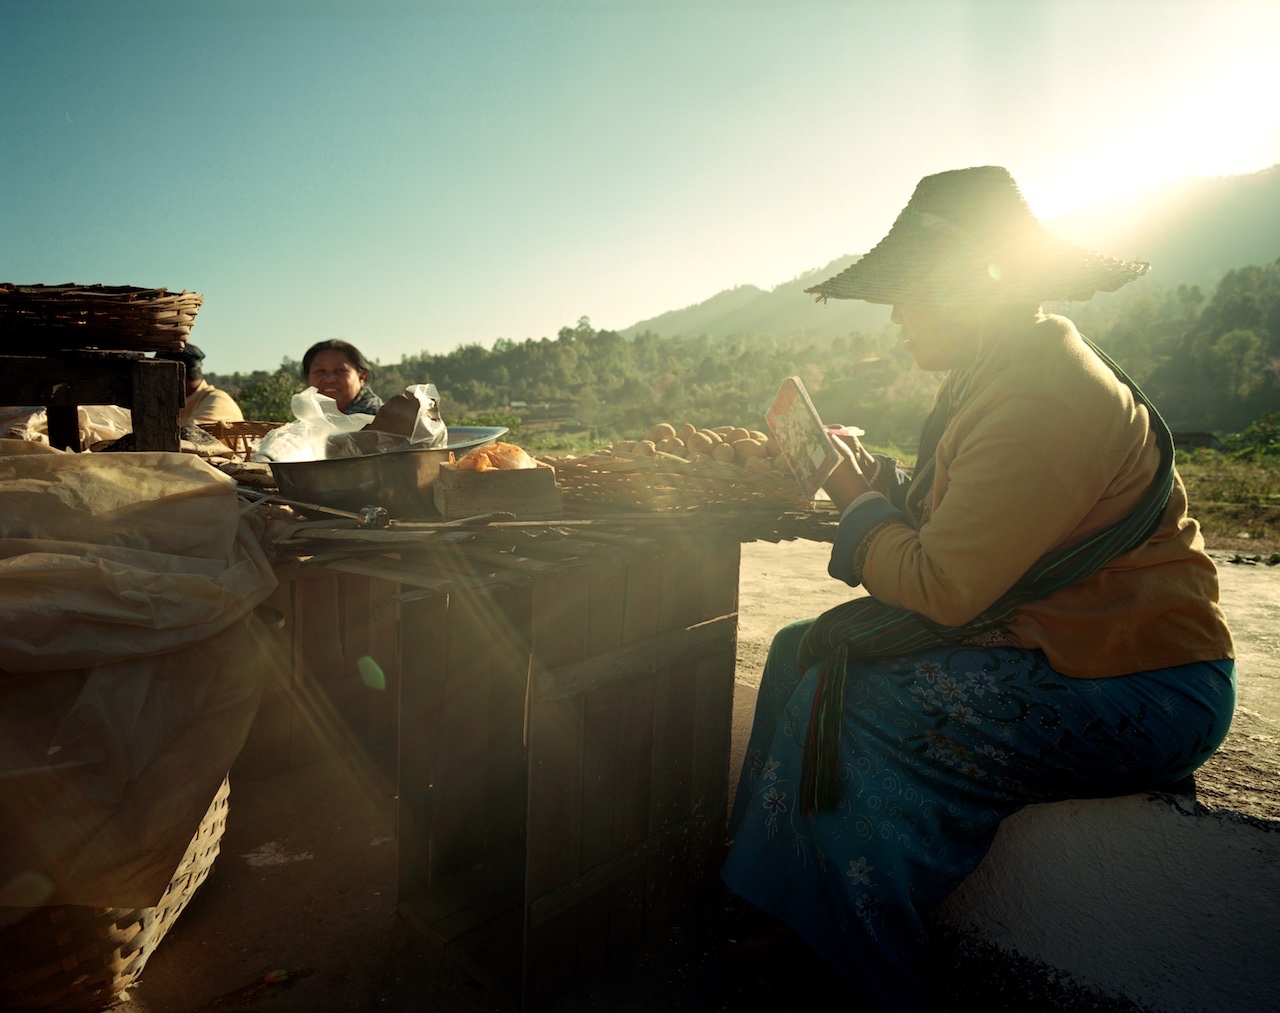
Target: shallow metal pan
(400,481)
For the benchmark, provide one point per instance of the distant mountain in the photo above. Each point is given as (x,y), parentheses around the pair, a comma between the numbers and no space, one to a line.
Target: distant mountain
(783,311)
(1192,231)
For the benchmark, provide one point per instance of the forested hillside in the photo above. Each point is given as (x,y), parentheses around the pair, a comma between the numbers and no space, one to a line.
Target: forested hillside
(1200,333)
(1191,232)
(1209,360)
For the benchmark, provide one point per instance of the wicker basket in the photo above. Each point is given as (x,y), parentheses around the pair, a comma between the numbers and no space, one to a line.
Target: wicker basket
(664,482)
(83,958)
(241,437)
(37,319)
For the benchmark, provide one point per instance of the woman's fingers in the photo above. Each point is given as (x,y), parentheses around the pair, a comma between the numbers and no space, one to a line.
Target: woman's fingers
(851,448)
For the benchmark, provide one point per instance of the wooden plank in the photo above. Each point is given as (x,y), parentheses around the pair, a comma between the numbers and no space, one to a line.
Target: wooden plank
(569,896)
(354,607)
(601,712)
(156,397)
(630,816)
(604,860)
(507,664)
(462,756)
(634,743)
(317,639)
(506,563)
(675,700)
(644,595)
(464,737)
(550,963)
(528,492)
(603,776)
(425,581)
(712,733)
(712,730)
(680,599)
(322,689)
(63,424)
(675,695)
(642,659)
(384,649)
(68,380)
(715,684)
(353,631)
(560,619)
(721,566)
(424,640)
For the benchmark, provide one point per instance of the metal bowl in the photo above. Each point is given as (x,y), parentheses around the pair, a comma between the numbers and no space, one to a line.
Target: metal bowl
(399,481)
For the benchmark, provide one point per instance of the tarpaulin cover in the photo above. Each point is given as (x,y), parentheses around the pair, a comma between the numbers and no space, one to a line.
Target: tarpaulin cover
(132,666)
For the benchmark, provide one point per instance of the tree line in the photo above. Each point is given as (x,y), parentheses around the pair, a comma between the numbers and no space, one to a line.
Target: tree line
(1209,363)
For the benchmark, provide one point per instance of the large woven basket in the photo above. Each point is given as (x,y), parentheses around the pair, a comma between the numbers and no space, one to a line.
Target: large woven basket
(242,437)
(69,957)
(37,319)
(666,483)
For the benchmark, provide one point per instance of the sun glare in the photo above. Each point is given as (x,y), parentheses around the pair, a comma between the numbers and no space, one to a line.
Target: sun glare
(1215,125)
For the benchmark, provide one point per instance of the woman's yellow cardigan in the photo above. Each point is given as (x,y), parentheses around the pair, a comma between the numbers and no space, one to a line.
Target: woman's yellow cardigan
(1045,447)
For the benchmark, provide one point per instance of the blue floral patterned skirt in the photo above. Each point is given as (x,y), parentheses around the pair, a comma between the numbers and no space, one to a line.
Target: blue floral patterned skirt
(936,748)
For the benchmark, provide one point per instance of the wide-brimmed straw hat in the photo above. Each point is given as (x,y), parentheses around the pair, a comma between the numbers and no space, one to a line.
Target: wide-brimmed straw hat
(967,237)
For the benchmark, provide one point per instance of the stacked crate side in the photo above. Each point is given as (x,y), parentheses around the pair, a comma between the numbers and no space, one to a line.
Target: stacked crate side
(629,728)
(339,633)
(462,775)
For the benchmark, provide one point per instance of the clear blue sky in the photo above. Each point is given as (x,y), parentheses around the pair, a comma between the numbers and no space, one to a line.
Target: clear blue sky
(413,176)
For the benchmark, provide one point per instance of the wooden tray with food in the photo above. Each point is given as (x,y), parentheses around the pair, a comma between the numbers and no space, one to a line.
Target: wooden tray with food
(681,469)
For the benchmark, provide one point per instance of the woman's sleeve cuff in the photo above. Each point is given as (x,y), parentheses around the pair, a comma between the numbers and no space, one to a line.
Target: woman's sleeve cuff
(863,517)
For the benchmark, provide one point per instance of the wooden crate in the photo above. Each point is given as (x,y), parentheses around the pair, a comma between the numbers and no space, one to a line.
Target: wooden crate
(324,704)
(525,492)
(564,749)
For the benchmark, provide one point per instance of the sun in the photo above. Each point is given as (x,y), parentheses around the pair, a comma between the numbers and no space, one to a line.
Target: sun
(1211,125)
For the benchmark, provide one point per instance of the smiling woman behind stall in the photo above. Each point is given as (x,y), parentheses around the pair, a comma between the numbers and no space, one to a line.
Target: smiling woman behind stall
(338,370)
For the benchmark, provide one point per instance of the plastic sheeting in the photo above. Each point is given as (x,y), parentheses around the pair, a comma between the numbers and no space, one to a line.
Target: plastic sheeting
(132,666)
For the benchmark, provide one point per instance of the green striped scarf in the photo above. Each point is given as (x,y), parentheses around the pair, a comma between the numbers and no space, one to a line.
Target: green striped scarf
(866,628)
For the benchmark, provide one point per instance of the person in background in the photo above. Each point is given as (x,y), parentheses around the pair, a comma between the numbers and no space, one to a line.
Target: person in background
(205,402)
(1042,621)
(338,370)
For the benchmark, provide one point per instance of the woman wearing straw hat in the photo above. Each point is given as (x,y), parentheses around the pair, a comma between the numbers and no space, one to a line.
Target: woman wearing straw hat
(1042,620)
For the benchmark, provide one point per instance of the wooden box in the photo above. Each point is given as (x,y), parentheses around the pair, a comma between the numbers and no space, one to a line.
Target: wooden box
(526,492)
(564,753)
(339,690)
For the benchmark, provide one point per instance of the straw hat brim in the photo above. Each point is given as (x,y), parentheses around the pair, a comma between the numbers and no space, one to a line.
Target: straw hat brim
(1000,254)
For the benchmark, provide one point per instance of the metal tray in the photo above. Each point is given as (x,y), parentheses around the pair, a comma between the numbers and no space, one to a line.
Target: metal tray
(399,481)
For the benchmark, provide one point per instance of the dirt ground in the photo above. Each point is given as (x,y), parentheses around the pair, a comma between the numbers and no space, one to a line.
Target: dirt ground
(306,880)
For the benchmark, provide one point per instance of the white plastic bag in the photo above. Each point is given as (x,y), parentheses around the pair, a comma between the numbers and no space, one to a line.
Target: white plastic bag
(430,430)
(316,418)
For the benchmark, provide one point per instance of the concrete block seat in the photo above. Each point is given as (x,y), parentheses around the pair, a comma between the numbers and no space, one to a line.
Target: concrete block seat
(1155,899)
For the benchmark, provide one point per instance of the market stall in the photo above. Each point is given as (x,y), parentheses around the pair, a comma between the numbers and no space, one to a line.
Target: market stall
(560,693)
(554,677)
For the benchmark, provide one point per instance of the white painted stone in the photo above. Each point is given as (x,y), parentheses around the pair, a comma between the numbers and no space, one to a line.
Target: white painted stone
(1148,897)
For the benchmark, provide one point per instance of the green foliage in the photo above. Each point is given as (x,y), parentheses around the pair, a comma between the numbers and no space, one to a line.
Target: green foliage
(1214,368)
(1259,439)
(1209,362)
(508,419)
(1214,477)
(1271,560)
(262,396)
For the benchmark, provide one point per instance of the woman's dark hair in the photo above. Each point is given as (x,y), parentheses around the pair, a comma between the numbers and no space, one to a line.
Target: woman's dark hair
(334,345)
